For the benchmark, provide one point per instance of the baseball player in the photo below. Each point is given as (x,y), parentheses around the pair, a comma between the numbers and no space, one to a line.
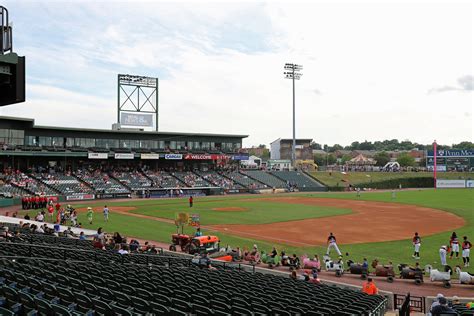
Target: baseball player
(106,213)
(442,255)
(332,244)
(466,249)
(416,244)
(454,242)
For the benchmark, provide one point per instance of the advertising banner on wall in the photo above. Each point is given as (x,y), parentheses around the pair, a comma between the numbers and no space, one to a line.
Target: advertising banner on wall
(205,157)
(445,184)
(98,155)
(80,197)
(149,156)
(240,157)
(173,156)
(123,156)
(131,119)
(470,184)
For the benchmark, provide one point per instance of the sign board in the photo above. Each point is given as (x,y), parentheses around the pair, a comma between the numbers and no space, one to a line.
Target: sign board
(98,155)
(149,156)
(80,197)
(124,156)
(132,119)
(470,184)
(195,220)
(240,157)
(452,153)
(205,157)
(173,156)
(440,183)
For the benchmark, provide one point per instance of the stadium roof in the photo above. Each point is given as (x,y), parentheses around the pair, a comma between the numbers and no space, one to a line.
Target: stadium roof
(122,131)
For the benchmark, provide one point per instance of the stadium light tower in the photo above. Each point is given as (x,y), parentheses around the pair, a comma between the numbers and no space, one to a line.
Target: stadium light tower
(293,72)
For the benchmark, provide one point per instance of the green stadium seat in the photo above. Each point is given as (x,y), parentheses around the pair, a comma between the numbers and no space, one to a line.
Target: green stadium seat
(120,311)
(6,312)
(101,308)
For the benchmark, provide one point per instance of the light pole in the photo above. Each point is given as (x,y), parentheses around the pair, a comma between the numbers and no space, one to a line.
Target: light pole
(292,72)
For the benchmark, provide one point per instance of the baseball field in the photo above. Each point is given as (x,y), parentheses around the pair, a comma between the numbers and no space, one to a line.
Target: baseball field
(374,225)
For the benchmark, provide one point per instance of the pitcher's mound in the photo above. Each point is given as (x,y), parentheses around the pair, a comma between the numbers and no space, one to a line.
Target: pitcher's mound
(230,209)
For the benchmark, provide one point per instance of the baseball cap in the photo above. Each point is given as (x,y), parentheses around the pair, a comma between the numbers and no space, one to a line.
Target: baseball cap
(439,295)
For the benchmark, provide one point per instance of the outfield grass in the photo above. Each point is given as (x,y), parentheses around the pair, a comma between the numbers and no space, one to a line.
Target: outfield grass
(355,178)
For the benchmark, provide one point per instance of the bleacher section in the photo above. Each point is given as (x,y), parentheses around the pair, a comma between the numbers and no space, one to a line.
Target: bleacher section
(266,178)
(29,185)
(192,180)
(66,184)
(244,180)
(7,189)
(102,182)
(163,179)
(67,280)
(219,181)
(136,181)
(302,181)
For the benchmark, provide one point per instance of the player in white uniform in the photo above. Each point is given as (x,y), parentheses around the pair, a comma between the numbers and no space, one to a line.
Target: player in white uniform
(332,244)
(416,244)
(106,213)
(442,255)
(466,249)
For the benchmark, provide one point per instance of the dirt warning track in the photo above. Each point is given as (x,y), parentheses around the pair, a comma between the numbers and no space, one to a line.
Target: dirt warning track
(369,222)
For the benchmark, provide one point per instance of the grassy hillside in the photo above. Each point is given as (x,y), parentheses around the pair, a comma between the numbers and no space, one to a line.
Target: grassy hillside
(355,178)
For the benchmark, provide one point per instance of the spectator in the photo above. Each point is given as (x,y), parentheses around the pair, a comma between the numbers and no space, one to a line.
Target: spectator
(436,301)
(123,250)
(456,301)
(293,275)
(369,287)
(82,236)
(117,238)
(442,308)
(295,261)
(27,217)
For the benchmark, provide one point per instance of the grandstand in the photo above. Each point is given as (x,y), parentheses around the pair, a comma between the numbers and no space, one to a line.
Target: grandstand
(163,179)
(134,180)
(244,180)
(192,180)
(66,184)
(102,182)
(219,180)
(298,179)
(103,282)
(266,178)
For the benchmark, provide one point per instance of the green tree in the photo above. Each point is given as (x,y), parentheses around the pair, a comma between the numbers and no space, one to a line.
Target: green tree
(335,147)
(315,145)
(366,146)
(405,160)
(320,159)
(382,158)
(464,145)
(331,159)
(345,158)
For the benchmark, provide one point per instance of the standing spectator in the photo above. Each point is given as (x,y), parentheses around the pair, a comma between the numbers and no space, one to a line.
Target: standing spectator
(106,213)
(57,206)
(369,287)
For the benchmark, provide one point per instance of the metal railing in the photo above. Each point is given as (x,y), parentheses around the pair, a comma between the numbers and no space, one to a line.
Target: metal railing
(407,303)
(6,38)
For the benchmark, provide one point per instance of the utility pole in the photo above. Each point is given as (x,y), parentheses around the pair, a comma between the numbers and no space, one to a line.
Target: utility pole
(292,71)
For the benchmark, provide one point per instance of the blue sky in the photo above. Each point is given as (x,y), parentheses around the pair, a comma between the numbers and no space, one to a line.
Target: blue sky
(372,70)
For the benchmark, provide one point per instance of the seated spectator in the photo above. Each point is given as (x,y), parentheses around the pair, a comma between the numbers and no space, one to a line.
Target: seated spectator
(442,308)
(369,287)
(436,301)
(294,261)
(117,238)
(40,217)
(82,236)
(27,217)
(134,245)
(293,275)
(123,250)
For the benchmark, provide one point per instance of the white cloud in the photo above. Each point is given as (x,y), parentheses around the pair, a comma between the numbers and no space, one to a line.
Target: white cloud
(367,66)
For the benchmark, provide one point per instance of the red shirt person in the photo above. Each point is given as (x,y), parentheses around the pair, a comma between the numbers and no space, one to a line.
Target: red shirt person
(58,207)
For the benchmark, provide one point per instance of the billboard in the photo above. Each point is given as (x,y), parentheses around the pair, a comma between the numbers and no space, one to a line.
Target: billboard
(98,155)
(149,156)
(205,157)
(440,183)
(173,156)
(470,184)
(132,119)
(452,153)
(124,156)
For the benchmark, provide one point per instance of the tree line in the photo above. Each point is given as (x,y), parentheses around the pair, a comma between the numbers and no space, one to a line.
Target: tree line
(389,145)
